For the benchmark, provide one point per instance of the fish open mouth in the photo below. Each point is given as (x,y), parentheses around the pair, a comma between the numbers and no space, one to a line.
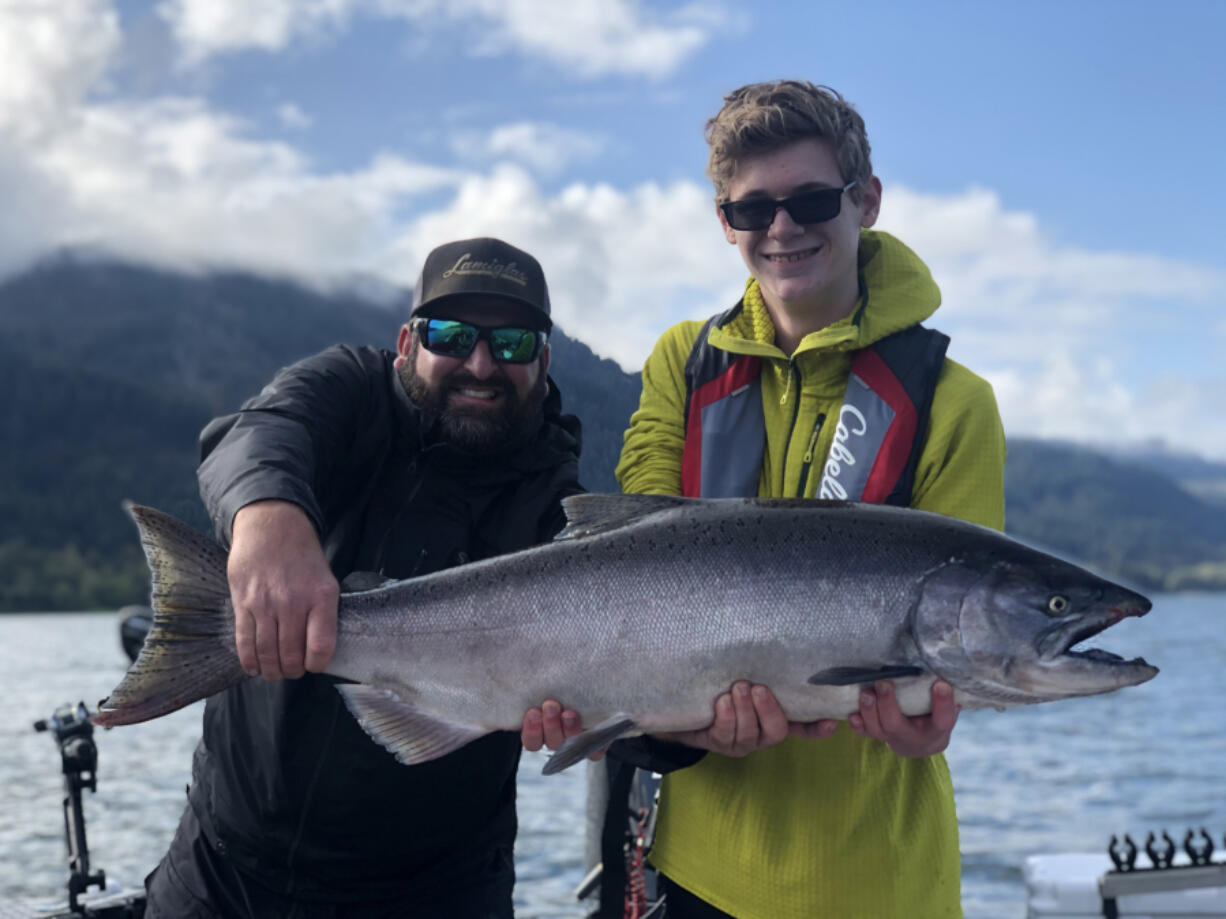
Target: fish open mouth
(1086,630)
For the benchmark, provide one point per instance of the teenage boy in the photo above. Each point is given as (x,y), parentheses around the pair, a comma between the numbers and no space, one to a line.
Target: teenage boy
(820,382)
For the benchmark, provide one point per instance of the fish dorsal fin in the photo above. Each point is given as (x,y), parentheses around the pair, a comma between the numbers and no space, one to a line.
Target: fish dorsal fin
(587,515)
(358,581)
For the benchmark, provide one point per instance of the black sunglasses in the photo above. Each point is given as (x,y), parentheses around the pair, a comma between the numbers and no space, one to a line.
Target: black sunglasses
(816,206)
(452,338)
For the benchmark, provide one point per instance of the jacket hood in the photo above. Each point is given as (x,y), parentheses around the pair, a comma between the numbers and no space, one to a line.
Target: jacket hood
(896,291)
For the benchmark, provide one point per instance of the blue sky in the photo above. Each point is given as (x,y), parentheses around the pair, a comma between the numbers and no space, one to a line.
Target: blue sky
(1058,165)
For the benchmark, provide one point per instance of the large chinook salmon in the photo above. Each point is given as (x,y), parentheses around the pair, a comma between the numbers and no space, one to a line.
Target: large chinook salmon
(645,608)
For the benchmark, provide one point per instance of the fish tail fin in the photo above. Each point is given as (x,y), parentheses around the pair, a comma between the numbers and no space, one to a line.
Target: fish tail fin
(189,653)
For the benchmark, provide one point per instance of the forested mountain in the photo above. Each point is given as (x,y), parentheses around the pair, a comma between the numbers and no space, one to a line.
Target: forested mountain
(1122,516)
(111,370)
(1203,478)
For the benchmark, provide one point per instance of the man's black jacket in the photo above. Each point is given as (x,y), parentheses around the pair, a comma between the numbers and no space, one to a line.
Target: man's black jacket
(285,782)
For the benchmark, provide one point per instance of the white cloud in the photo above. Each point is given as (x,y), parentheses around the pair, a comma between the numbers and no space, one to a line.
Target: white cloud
(52,54)
(172,182)
(979,252)
(208,27)
(546,148)
(1015,295)
(1061,332)
(1050,326)
(291,116)
(1093,403)
(592,37)
(622,265)
(589,38)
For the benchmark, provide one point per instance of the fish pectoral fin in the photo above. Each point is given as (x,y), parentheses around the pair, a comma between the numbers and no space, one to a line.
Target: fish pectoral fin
(358,581)
(585,744)
(847,676)
(407,732)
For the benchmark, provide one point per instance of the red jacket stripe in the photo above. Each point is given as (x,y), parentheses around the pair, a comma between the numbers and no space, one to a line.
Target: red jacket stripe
(896,448)
(742,372)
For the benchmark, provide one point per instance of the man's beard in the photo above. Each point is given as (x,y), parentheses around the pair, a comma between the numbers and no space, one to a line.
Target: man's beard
(472,428)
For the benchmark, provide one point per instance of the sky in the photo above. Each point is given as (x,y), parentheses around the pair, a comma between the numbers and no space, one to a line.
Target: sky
(1058,165)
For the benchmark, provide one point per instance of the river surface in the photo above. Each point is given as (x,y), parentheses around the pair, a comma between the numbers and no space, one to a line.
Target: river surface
(1041,779)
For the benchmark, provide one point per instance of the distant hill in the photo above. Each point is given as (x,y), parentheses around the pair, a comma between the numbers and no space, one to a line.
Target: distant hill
(111,370)
(1204,478)
(1123,517)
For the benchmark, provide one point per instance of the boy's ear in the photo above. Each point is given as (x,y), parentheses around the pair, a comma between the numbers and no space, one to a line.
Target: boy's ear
(729,233)
(871,202)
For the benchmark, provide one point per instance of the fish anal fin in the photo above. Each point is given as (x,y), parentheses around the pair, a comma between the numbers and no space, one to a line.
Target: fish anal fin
(583,745)
(848,676)
(589,514)
(408,733)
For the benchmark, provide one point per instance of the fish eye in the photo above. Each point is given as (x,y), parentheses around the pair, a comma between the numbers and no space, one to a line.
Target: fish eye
(1058,603)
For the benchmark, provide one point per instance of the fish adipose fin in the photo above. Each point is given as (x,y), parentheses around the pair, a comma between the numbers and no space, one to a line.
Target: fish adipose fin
(583,745)
(847,676)
(358,581)
(587,515)
(408,733)
(189,652)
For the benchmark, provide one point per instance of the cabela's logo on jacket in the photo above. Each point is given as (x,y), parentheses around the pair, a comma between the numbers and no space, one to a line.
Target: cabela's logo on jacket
(840,453)
(494,268)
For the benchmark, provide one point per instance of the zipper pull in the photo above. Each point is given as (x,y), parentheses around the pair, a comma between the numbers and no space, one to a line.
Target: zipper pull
(817,429)
(783,400)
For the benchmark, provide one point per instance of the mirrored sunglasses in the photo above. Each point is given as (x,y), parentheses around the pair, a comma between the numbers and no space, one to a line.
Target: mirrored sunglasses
(816,206)
(452,338)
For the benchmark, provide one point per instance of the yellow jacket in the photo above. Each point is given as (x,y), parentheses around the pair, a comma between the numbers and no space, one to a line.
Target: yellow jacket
(840,828)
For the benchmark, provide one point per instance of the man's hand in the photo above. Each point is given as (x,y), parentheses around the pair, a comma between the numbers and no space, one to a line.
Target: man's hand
(550,726)
(923,735)
(283,592)
(749,718)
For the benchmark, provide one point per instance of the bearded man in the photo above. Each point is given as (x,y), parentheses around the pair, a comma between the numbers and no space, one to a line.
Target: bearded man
(449,450)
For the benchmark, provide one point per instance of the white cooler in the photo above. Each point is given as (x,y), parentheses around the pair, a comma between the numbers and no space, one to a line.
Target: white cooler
(1065,886)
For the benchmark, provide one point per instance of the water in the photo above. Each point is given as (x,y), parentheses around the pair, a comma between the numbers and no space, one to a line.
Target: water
(1042,779)
(1066,776)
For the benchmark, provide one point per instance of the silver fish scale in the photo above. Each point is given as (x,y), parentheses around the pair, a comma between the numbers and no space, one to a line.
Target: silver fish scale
(674,606)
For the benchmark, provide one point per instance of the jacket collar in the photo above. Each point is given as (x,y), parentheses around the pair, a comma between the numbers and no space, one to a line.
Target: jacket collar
(896,291)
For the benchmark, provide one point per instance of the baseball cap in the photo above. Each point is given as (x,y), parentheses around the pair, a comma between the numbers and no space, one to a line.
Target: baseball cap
(485,267)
